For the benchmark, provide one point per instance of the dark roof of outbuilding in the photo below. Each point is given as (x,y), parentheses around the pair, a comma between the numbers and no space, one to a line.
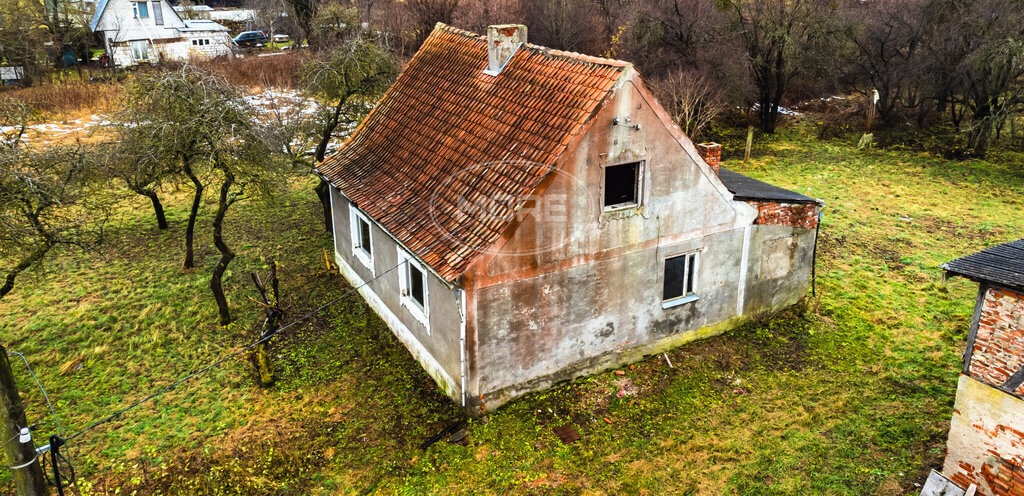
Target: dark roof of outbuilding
(446,132)
(748,188)
(1002,264)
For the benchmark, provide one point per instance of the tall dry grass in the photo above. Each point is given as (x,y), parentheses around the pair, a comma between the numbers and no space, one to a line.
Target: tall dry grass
(67,97)
(275,71)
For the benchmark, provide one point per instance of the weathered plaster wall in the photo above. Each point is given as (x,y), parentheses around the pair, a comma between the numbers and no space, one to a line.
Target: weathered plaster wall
(986,440)
(999,346)
(438,349)
(778,268)
(571,296)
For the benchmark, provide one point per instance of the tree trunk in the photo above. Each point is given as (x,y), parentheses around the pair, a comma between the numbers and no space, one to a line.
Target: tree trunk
(190,229)
(980,133)
(322,189)
(161,219)
(226,255)
(323,193)
(28,481)
(12,274)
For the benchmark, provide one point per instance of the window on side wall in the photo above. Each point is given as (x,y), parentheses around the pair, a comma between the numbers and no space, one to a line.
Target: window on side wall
(413,286)
(141,10)
(362,237)
(623,185)
(158,14)
(680,279)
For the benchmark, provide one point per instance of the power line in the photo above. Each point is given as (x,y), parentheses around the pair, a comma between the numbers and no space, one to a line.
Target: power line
(2,446)
(60,428)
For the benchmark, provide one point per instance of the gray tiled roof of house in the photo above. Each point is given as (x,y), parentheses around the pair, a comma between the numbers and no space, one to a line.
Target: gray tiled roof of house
(1002,265)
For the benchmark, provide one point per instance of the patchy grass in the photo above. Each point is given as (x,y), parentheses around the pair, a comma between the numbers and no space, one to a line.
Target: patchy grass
(850,393)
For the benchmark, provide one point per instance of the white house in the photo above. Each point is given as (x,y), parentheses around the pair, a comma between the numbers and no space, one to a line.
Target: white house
(135,31)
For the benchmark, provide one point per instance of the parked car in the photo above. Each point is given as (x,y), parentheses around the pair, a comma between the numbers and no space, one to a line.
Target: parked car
(250,38)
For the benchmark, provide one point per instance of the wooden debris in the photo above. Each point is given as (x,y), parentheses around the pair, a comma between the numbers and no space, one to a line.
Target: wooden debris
(567,434)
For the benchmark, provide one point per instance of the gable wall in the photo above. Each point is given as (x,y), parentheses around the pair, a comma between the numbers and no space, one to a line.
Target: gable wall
(118,22)
(573,289)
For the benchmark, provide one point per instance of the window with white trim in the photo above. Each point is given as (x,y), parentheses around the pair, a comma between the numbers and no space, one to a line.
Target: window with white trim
(623,185)
(140,10)
(362,237)
(680,279)
(412,282)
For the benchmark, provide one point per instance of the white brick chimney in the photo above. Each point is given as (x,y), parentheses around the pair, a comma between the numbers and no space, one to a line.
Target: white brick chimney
(502,42)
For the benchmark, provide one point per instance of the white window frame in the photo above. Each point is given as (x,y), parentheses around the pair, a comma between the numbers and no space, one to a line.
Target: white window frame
(422,314)
(364,256)
(641,172)
(686,297)
(135,10)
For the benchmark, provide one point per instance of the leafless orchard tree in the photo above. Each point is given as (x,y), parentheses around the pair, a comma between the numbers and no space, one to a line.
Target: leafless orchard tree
(48,199)
(346,80)
(14,122)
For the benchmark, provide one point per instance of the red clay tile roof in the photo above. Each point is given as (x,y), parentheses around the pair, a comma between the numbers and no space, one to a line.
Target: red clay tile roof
(446,135)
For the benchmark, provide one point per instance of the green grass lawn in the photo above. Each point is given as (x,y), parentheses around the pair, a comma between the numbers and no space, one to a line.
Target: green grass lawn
(850,393)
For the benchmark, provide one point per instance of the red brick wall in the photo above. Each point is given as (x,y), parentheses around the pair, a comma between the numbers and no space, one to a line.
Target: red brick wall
(1007,480)
(999,347)
(986,439)
(786,214)
(711,153)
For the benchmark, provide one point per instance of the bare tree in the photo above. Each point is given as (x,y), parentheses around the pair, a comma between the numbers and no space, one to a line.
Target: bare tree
(888,38)
(565,24)
(427,13)
(346,80)
(48,199)
(977,53)
(692,99)
(132,161)
(783,38)
(14,121)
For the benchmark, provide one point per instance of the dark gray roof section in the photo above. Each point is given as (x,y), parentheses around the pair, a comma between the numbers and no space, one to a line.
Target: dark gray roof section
(1002,265)
(748,188)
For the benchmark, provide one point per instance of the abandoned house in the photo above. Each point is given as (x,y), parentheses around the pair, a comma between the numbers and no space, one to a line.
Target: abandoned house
(147,31)
(520,216)
(986,434)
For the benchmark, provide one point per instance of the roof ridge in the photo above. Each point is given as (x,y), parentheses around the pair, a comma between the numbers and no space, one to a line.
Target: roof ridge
(582,57)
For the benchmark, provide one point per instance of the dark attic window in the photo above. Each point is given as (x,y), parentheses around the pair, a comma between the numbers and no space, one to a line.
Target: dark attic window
(416,283)
(620,185)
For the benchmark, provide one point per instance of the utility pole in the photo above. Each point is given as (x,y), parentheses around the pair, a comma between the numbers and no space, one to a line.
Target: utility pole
(29,479)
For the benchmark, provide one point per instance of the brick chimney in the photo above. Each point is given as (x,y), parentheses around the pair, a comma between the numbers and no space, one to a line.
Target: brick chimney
(711,153)
(502,42)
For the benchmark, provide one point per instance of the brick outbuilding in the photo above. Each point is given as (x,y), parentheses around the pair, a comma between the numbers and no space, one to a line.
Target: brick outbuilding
(986,436)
